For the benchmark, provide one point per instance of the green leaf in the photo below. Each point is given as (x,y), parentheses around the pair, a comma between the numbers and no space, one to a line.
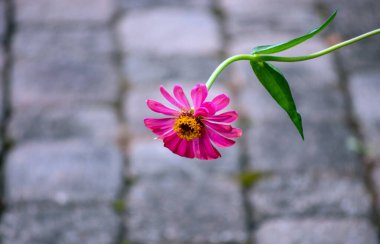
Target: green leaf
(268,49)
(277,86)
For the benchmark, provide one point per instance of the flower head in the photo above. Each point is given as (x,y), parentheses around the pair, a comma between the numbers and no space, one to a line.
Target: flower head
(192,132)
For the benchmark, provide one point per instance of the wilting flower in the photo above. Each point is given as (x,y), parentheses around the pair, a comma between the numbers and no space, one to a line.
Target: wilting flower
(189,131)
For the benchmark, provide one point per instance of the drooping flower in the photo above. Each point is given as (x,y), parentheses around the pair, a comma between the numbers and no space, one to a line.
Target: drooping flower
(191,131)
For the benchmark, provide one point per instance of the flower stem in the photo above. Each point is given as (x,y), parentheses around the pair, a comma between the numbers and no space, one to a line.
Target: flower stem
(265,57)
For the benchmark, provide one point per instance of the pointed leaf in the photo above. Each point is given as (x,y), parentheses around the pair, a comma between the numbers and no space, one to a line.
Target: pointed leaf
(268,49)
(277,86)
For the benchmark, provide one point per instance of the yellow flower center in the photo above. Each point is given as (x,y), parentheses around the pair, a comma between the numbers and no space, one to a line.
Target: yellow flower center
(187,126)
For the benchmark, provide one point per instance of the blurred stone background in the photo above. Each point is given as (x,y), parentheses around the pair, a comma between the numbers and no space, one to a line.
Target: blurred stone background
(78,166)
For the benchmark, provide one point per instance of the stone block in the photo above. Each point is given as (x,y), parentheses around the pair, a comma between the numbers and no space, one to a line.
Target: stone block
(66,171)
(75,43)
(31,123)
(260,15)
(2,93)
(185,208)
(47,223)
(56,11)
(63,82)
(133,4)
(2,85)
(315,231)
(365,90)
(355,18)
(2,20)
(170,32)
(2,115)
(61,65)
(376,180)
(277,146)
(371,145)
(146,70)
(309,194)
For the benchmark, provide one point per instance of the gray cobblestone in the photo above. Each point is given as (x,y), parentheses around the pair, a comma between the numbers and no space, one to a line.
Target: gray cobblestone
(2,20)
(279,148)
(366,19)
(2,60)
(316,231)
(170,31)
(185,208)
(76,43)
(59,65)
(66,171)
(247,16)
(1,114)
(2,92)
(364,87)
(354,26)
(61,123)
(62,82)
(163,69)
(132,4)
(56,11)
(1,103)
(46,224)
(376,180)
(1,84)
(310,194)
(160,160)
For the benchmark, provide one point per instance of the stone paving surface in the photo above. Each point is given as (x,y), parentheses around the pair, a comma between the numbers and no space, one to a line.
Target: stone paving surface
(2,60)
(46,223)
(348,231)
(82,168)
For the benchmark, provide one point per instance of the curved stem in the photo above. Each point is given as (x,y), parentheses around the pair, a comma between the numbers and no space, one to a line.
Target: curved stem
(258,57)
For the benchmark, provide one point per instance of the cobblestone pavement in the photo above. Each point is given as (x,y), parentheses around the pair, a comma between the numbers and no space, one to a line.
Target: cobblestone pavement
(78,166)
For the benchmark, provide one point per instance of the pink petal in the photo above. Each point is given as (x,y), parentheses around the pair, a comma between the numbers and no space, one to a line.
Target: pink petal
(160,108)
(202,111)
(227,117)
(189,150)
(205,149)
(172,142)
(219,140)
(180,95)
(197,149)
(199,94)
(179,146)
(167,134)
(185,149)
(225,130)
(170,98)
(221,101)
(210,107)
(159,126)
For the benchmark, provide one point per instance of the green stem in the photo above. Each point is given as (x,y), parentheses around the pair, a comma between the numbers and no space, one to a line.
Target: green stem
(258,57)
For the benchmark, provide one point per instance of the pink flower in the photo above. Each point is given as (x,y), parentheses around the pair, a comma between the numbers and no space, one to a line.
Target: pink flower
(189,131)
